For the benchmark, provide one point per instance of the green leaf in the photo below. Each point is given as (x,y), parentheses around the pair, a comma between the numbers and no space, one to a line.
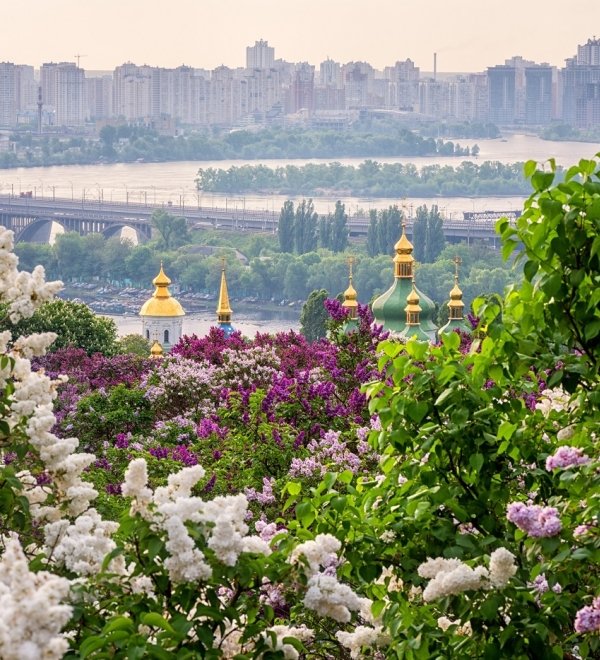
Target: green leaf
(506,430)
(476,461)
(529,168)
(294,487)
(417,410)
(155,620)
(305,513)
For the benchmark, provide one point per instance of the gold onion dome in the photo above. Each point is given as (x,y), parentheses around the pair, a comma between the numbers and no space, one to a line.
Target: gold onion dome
(456,295)
(412,301)
(350,295)
(162,302)
(156,350)
(389,309)
(456,305)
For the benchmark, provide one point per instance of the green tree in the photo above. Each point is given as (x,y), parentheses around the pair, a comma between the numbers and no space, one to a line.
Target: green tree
(339,228)
(75,325)
(285,228)
(314,316)
(372,234)
(434,241)
(325,231)
(32,254)
(305,227)
(134,344)
(294,284)
(172,230)
(419,233)
(70,255)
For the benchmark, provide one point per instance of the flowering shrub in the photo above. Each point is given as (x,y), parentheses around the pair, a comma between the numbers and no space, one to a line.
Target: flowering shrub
(449,508)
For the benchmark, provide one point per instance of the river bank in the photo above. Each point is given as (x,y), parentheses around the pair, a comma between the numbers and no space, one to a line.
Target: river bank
(123,304)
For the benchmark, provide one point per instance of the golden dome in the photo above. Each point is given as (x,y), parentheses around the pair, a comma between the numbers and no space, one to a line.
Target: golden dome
(224,310)
(456,294)
(413,300)
(161,303)
(404,246)
(157,350)
(403,259)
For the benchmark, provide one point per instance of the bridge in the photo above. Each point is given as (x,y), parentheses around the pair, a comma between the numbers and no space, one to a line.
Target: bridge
(26,216)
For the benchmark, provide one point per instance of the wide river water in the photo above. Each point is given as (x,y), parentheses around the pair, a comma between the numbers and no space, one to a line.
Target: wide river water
(161,183)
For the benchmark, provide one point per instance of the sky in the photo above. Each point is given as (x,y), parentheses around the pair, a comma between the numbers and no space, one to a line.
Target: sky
(468,35)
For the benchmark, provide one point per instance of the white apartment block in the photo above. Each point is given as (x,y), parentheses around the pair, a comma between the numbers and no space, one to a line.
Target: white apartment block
(63,91)
(17,91)
(260,56)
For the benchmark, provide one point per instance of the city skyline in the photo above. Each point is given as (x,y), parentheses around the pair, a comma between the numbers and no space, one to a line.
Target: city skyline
(204,34)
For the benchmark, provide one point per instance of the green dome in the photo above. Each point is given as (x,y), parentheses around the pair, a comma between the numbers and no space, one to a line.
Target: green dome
(389,309)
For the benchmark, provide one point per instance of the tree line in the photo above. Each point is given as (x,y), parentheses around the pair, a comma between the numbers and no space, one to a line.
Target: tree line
(127,144)
(268,273)
(370,178)
(301,230)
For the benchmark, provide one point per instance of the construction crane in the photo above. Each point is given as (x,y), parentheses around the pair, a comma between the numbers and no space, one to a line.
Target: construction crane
(78,56)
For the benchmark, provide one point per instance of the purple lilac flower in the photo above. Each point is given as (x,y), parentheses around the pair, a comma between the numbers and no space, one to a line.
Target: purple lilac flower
(335,310)
(536,521)
(184,455)
(122,440)
(210,484)
(113,489)
(587,619)
(565,457)
(264,497)
(43,479)
(159,452)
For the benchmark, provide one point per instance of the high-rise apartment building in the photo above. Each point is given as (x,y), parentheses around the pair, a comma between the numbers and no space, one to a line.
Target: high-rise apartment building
(63,91)
(17,91)
(589,53)
(9,104)
(302,91)
(260,56)
(581,86)
(404,85)
(502,94)
(99,94)
(539,87)
(132,91)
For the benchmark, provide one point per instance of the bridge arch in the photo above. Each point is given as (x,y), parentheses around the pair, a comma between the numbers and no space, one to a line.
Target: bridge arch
(114,229)
(28,232)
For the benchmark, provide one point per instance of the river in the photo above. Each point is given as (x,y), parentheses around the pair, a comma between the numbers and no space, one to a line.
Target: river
(158,183)
(200,324)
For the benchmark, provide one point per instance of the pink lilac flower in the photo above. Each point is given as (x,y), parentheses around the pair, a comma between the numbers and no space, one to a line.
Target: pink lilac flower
(565,457)
(587,619)
(536,521)
(264,497)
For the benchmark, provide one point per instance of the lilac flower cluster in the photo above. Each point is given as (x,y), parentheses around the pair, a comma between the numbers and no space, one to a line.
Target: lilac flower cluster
(328,452)
(263,498)
(536,521)
(566,457)
(587,619)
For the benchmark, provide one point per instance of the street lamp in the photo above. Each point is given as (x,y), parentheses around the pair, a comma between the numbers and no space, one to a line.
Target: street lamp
(126,193)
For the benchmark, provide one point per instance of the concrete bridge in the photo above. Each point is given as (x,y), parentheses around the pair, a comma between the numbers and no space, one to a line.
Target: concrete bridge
(26,216)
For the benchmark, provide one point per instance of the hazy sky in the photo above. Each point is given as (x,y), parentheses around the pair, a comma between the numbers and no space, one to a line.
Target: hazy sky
(468,35)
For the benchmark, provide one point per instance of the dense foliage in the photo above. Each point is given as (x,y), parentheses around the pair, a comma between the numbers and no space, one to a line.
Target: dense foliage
(403,500)
(269,274)
(127,144)
(369,179)
(74,324)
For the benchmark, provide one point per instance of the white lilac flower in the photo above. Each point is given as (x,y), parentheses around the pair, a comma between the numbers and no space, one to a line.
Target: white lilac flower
(32,609)
(502,567)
